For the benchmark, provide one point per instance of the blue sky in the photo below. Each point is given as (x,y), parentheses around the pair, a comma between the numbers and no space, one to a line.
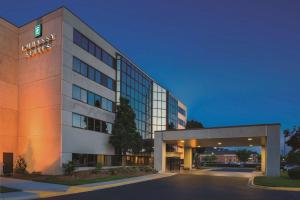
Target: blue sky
(232,62)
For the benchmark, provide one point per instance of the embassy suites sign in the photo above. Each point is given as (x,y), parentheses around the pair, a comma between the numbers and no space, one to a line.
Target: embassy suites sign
(38,46)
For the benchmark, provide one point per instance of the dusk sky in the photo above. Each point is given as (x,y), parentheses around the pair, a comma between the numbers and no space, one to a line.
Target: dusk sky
(232,62)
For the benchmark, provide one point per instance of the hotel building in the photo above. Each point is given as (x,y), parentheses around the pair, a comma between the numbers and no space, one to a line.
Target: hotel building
(60,82)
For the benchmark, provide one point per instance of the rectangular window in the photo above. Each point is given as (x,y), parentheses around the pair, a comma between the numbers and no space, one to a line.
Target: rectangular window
(84,69)
(109,128)
(76,92)
(77,37)
(76,120)
(91,99)
(97,101)
(98,77)
(91,74)
(110,83)
(97,125)
(91,48)
(91,124)
(76,65)
(107,59)
(83,94)
(98,53)
(84,43)
(83,122)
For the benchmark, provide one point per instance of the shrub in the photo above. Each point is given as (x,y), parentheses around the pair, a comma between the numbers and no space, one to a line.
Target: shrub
(294,173)
(293,158)
(21,166)
(112,171)
(98,166)
(69,168)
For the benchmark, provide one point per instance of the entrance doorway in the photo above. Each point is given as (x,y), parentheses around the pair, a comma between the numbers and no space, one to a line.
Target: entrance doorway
(8,163)
(173,164)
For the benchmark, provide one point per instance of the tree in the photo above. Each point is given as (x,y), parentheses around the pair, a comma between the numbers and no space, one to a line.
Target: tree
(171,126)
(294,140)
(125,136)
(193,124)
(211,158)
(243,155)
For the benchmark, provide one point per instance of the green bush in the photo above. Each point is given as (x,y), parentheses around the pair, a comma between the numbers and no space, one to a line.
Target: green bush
(294,173)
(293,158)
(21,166)
(69,168)
(98,166)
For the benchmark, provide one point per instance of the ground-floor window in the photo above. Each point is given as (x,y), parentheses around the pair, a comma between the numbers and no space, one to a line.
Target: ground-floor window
(84,160)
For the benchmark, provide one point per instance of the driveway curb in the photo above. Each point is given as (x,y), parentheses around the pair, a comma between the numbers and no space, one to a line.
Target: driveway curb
(35,194)
(252,185)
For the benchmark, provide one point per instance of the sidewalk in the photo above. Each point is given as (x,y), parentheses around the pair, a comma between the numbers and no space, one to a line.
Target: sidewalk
(35,190)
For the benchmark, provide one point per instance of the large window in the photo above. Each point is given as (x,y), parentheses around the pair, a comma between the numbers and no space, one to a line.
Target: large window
(181,111)
(136,86)
(92,99)
(159,108)
(181,122)
(92,74)
(84,160)
(92,48)
(172,112)
(88,123)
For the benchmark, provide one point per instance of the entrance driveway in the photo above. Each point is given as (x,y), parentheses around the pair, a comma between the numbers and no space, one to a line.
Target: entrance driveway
(187,186)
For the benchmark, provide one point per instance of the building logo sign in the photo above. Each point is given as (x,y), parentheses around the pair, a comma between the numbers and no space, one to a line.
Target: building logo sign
(38,29)
(38,46)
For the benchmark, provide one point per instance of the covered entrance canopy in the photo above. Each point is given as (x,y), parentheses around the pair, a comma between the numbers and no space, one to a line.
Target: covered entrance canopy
(265,135)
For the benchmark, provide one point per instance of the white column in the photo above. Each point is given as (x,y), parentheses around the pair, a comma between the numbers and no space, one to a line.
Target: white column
(273,151)
(159,153)
(187,158)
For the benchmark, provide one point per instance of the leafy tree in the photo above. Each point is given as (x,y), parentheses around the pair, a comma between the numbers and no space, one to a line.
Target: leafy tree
(125,136)
(243,155)
(193,124)
(211,158)
(293,158)
(148,145)
(171,126)
(294,140)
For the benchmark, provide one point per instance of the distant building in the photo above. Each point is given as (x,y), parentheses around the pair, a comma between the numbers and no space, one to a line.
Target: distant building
(226,156)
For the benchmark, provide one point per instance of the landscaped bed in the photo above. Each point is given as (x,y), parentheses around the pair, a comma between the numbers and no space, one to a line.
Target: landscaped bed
(282,181)
(6,189)
(90,176)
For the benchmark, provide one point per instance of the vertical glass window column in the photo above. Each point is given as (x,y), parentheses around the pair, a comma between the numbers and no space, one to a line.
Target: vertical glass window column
(136,86)
(172,112)
(159,108)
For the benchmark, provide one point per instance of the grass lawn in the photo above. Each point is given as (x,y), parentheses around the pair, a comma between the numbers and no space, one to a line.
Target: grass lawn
(6,189)
(82,181)
(282,181)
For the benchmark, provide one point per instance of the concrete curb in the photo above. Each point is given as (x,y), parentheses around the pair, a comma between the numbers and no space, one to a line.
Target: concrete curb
(252,185)
(32,194)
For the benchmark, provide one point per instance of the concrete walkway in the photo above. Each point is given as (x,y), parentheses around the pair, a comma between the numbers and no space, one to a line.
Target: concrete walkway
(223,172)
(35,190)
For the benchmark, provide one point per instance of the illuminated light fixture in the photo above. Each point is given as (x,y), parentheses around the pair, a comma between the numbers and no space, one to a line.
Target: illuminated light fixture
(215,147)
(250,139)
(181,140)
(250,145)
(219,143)
(198,146)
